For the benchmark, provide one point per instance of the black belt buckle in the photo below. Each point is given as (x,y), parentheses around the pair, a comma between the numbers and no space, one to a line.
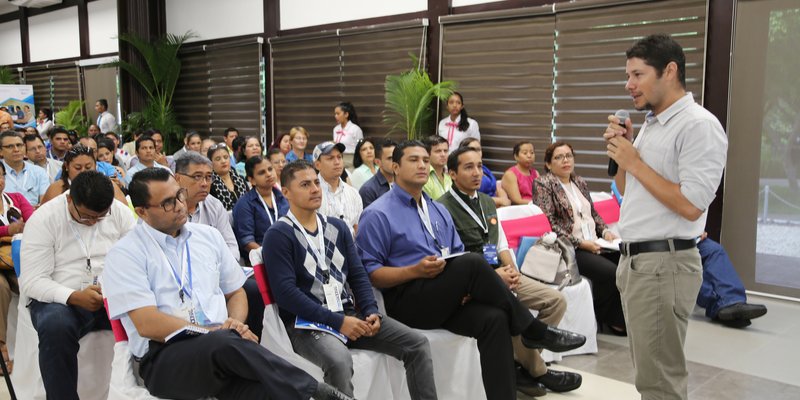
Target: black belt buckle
(633,248)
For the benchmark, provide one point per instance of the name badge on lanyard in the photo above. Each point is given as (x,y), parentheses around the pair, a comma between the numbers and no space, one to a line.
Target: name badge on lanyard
(489,249)
(425,216)
(331,289)
(88,278)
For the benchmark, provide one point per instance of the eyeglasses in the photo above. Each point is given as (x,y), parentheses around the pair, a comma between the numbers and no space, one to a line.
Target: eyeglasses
(218,146)
(14,146)
(169,204)
(199,178)
(562,157)
(90,218)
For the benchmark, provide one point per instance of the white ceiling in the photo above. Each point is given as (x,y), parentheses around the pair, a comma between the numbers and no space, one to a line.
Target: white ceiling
(6,7)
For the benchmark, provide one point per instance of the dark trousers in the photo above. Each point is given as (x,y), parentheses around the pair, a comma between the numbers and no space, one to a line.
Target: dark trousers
(255,306)
(492,315)
(601,269)
(60,327)
(721,284)
(223,365)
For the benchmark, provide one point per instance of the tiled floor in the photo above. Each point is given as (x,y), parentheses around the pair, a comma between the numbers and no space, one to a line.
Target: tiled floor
(755,363)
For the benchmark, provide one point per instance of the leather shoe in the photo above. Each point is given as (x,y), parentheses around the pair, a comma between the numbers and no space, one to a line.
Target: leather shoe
(560,381)
(555,340)
(528,384)
(741,311)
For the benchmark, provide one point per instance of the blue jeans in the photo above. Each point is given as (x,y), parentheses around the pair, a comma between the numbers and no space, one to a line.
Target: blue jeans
(60,327)
(721,284)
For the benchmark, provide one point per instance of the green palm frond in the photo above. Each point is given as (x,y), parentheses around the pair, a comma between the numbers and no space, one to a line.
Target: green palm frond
(7,76)
(409,101)
(71,117)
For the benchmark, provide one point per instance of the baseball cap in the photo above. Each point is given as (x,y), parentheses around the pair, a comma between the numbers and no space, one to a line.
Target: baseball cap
(325,148)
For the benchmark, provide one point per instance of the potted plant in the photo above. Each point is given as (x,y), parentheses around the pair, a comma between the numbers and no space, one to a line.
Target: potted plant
(7,76)
(71,117)
(410,100)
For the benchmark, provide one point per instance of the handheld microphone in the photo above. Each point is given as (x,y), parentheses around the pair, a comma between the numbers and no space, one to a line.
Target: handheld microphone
(612,165)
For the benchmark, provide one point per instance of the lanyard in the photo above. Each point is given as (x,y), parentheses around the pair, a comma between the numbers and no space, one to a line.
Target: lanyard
(317,246)
(578,204)
(186,264)
(481,221)
(86,247)
(425,216)
(272,216)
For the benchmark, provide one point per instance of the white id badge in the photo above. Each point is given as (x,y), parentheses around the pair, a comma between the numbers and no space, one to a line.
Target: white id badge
(587,234)
(445,252)
(187,312)
(332,297)
(88,280)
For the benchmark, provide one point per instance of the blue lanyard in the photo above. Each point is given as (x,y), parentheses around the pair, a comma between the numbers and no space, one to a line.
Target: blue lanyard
(181,287)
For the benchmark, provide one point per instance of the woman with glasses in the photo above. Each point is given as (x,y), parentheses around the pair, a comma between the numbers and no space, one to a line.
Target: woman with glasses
(14,211)
(259,208)
(78,159)
(564,197)
(518,180)
(364,162)
(299,138)
(249,149)
(489,183)
(227,186)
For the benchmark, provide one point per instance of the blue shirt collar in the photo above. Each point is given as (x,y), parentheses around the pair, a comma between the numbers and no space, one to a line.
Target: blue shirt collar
(406,197)
(166,241)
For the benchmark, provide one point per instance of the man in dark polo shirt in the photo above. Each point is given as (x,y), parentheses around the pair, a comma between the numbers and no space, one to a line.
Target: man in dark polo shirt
(381,182)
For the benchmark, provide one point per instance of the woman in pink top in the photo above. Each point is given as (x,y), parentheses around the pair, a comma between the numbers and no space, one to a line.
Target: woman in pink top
(518,180)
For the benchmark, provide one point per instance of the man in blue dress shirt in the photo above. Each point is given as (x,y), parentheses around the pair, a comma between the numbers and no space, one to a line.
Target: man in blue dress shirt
(404,238)
(22,176)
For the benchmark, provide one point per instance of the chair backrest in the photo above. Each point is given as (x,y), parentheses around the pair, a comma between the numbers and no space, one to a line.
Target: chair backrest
(607,206)
(523,220)
(263,283)
(116,326)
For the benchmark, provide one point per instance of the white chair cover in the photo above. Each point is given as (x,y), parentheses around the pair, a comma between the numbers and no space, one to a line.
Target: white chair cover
(124,385)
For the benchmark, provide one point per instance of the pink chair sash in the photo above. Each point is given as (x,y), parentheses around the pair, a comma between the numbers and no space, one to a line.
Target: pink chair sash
(608,210)
(263,283)
(535,225)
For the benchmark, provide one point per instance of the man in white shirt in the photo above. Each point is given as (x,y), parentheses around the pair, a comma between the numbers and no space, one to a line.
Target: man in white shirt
(105,120)
(37,154)
(146,156)
(191,282)
(63,252)
(339,199)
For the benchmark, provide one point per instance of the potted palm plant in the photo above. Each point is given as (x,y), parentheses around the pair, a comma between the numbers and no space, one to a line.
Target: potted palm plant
(410,97)
(71,117)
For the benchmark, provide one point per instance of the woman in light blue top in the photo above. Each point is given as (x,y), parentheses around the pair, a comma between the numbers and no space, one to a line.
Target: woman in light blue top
(299,139)
(364,162)
(250,148)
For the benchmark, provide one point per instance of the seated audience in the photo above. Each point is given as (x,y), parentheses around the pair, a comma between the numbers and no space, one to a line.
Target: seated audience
(278,161)
(339,199)
(93,130)
(227,186)
(192,141)
(489,184)
(155,297)
(14,212)
(145,157)
(439,182)
(59,143)
(283,143)
(207,143)
(564,197)
(251,147)
(79,158)
(36,151)
(22,176)
(123,157)
(518,180)
(229,136)
(130,147)
(106,168)
(363,162)
(105,154)
(293,286)
(259,208)
(382,181)
(160,158)
(63,254)
(475,217)
(403,238)
(299,138)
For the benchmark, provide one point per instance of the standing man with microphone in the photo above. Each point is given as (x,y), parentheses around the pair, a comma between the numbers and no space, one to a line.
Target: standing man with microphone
(669,176)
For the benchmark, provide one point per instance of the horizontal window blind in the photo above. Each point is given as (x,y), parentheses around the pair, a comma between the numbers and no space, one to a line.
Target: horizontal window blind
(190,101)
(590,70)
(312,73)
(505,72)
(54,86)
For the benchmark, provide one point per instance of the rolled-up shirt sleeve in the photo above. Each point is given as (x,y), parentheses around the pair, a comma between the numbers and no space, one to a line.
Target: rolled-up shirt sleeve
(702,150)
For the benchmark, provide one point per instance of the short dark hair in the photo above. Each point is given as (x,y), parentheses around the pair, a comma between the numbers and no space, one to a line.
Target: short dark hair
(468,140)
(139,189)
(657,51)
(518,146)
(287,175)
(400,149)
(31,138)
(93,190)
(144,138)
(104,103)
(228,131)
(273,151)
(251,163)
(58,129)
(384,144)
(105,144)
(452,159)
(434,140)
(548,153)
(6,134)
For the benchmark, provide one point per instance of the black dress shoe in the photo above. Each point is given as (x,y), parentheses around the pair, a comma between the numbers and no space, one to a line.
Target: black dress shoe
(735,323)
(560,381)
(741,311)
(528,384)
(555,340)
(328,392)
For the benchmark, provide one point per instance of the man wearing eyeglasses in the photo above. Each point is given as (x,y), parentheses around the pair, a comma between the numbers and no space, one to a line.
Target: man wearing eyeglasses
(63,253)
(21,176)
(189,281)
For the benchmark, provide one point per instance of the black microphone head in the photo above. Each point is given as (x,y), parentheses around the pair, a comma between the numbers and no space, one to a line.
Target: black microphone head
(622,115)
